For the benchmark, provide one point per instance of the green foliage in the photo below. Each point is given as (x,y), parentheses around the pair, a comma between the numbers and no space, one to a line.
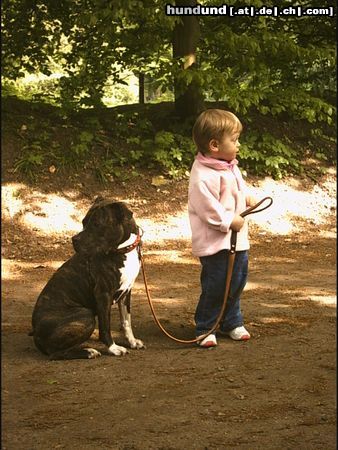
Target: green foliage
(284,65)
(173,152)
(92,41)
(106,170)
(82,147)
(38,89)
(281,69)
(118,143)
(164,151)
(261,153)
(29,161)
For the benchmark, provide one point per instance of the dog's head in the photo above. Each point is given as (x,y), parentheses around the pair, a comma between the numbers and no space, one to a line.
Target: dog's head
(106,225)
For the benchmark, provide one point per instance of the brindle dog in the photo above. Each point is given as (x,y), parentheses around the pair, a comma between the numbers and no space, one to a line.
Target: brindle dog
(100,273)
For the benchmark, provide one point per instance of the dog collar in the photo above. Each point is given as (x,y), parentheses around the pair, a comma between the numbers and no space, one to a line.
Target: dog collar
(132,246)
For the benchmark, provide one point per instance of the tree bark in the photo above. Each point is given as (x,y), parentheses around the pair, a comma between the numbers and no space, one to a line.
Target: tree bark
(188,99)
(141,88)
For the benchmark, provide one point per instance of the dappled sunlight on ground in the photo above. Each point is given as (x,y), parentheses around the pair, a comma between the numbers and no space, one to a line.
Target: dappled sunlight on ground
(327,300)
(14,270)
(52,213)
(170,228)
(11,202)
(273,319)
(290,203)
(44,213)
(175,256)
(275,305)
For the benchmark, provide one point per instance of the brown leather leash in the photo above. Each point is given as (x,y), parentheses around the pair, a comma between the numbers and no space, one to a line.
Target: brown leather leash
(231,260)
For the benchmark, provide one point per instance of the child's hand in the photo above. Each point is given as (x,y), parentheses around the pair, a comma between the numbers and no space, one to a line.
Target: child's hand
(251,200)
(237,223)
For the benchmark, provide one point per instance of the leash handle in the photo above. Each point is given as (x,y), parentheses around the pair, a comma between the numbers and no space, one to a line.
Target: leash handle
(251,210)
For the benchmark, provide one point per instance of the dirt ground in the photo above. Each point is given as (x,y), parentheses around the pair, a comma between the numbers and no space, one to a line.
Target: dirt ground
(276,391)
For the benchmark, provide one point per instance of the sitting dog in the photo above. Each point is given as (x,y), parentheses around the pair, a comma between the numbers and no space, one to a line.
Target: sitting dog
(100,273)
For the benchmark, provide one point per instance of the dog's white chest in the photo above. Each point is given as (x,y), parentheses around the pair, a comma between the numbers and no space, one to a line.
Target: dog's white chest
(129,271)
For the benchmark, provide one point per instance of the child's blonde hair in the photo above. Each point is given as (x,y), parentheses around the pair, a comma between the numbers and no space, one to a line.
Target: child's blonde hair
(214,124)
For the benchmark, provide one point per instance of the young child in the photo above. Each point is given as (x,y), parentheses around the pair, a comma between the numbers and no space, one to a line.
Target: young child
(217,197)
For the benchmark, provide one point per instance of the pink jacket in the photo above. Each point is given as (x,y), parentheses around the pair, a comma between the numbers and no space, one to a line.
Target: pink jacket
(214,198)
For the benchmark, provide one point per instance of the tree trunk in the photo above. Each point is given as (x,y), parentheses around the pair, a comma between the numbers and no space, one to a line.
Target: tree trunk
(188,98)
(141,88)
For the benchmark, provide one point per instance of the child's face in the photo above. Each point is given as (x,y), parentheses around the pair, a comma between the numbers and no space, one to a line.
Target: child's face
(226,148)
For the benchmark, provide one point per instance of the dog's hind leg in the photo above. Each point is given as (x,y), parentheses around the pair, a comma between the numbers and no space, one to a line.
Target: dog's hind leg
(61,339)
(125,317)
(75,353)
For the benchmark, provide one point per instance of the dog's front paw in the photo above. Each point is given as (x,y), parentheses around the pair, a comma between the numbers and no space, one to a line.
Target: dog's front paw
(137,343)
(117,350)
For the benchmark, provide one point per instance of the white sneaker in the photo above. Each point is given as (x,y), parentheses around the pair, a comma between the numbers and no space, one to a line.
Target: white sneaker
(239,334)
(209,341)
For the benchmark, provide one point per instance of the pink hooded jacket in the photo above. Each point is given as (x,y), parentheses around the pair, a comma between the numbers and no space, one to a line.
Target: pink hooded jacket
(215,195)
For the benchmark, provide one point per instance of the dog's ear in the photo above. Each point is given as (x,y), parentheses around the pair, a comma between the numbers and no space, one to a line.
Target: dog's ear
(121,211)
(86,218)
(96,203)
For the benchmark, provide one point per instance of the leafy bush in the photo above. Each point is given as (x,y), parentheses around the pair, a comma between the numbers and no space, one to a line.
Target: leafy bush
(173,152)
(117,143)
(265,154)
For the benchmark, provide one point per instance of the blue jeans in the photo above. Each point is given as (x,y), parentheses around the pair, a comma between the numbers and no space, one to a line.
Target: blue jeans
(213,279)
